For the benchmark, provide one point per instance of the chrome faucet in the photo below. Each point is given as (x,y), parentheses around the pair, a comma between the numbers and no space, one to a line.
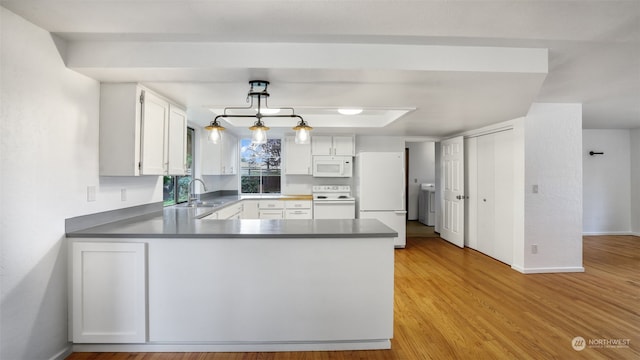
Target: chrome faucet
(192,195)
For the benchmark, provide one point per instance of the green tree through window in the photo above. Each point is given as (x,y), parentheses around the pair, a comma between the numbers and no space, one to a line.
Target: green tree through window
(260,167)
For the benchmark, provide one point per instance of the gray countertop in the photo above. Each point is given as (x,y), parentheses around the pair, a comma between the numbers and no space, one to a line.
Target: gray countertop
(184,222)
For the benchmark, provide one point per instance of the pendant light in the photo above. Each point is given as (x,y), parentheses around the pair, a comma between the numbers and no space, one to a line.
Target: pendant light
(258,132)
(258,91)
(215,131)
(302,132)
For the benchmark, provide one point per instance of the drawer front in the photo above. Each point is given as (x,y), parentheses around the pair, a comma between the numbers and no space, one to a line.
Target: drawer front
(298,204)
(271,214)
(271,204)
(298,214)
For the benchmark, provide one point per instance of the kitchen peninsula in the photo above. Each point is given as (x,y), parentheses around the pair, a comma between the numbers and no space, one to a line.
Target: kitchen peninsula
(174,281)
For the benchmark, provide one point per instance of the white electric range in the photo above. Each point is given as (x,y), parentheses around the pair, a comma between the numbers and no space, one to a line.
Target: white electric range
(333,202)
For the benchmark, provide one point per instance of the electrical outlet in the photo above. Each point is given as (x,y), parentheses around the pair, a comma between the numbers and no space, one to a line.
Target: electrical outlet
(534,248)
(123,194)
(535,189)
(91,193)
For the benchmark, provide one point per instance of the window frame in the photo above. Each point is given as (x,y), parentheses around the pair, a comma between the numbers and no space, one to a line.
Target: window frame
(261,186)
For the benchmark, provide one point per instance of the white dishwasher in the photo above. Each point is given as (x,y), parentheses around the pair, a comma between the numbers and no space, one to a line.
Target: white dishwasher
(333,202)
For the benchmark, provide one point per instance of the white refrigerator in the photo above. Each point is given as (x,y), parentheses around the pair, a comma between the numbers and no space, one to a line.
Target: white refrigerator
(380,190)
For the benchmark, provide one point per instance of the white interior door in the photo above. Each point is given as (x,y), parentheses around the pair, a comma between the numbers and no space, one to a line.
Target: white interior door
(453,190)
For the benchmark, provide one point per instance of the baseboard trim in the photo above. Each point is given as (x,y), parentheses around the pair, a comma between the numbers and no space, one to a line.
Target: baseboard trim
(382,344)
(62,354)
(548,270)
(602,233)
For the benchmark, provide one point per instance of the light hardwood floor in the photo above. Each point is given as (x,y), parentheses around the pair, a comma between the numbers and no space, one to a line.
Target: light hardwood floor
(453,303)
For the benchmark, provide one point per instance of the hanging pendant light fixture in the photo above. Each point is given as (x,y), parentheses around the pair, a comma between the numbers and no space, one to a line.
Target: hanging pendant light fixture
(258,91)
(258,132)
(302,132)
(215,131)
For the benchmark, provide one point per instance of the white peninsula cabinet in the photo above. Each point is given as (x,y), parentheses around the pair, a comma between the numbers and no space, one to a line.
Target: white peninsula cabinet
(220,158)
(232,286)
(108,299)
(297,160)
(333,145)
(141,132)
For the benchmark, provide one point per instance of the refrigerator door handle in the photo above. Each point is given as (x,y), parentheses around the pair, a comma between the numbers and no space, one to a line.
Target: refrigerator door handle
(400,211)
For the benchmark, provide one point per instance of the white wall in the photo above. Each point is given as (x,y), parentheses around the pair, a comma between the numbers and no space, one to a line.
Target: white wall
(553,161)
(379,143)
(49,156)
(606,182)
(635,181)
(421,170)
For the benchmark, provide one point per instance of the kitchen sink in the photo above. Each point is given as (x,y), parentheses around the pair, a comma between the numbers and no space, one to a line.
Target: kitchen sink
(209,204)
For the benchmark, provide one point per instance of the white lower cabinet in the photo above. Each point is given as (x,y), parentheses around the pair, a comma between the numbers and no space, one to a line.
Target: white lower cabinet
(250,209)
(230,212)
(109,298)
(271,214)
(298,209)
(298,214)
(271,209)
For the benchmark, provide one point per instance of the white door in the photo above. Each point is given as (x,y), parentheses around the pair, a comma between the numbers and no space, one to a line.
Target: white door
(229,155)
(109,301)
(155,113)
(453,190)
(176,147)
(343,145)
(321,145)
(298,157)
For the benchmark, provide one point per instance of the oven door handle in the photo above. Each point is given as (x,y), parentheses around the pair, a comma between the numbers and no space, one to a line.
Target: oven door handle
(333,202)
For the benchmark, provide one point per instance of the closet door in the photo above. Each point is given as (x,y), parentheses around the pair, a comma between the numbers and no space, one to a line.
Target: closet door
(503,196)
(495,199)
(486,200)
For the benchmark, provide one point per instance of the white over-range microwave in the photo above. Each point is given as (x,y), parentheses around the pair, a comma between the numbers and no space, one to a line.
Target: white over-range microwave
(332,166)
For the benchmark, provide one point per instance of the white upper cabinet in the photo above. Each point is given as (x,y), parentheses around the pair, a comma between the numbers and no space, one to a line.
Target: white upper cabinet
(297,160)
(176,153)
(220,158)
(333,145)
(141,133)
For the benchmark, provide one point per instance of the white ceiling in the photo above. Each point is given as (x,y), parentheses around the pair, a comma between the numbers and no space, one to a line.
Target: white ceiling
(456,65)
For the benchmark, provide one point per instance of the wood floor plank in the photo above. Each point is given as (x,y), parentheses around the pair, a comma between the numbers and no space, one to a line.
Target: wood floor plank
(453,303)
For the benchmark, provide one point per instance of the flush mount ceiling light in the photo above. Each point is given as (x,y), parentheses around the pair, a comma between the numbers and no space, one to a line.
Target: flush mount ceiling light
(258,91)
(350,111)
(215,131)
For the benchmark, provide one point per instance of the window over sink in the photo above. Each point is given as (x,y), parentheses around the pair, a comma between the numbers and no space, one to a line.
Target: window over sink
(260,169)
